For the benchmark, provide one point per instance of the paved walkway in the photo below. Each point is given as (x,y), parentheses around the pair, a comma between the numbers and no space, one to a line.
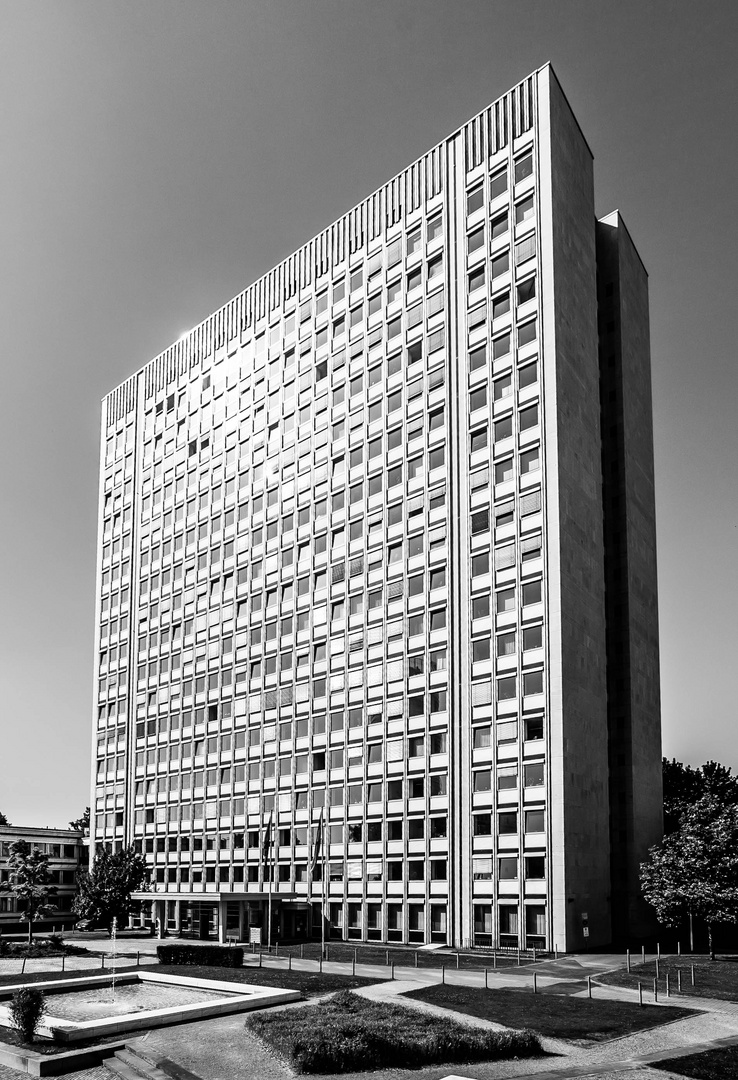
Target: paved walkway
(220,1048)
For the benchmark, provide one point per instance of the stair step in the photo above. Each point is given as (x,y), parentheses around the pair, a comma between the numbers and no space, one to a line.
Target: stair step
(159,1067)
(119,1068)
(129,1065)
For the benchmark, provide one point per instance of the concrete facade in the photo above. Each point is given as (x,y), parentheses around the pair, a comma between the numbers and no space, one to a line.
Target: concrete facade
(64,848)
(355,652)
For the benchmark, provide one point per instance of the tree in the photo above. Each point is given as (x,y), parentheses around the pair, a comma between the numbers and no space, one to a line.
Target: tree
(82,824)
(29,880)
(684,786)
(3,819)
(104,892)
(694,870)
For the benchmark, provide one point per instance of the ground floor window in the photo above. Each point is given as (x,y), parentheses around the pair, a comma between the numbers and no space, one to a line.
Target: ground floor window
(483,924)
(535,926)
(438,923)
(509,927)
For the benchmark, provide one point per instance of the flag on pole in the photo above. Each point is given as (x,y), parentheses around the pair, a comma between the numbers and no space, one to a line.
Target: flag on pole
(317,843)
(266,848)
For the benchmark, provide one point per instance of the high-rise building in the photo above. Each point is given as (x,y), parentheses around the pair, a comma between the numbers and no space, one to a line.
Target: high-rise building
(377,617)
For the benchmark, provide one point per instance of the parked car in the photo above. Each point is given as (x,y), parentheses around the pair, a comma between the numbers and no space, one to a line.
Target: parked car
(89,924)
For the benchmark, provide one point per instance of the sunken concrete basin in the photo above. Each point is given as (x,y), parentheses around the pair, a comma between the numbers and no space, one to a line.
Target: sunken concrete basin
(88,1008)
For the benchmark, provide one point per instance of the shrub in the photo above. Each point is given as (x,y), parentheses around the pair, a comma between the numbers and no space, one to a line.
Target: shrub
(26,1010)
(200,955)
(348,1033)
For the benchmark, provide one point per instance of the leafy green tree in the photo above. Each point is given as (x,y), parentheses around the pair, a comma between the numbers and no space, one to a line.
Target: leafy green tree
(29,881)
(82,824)
(684,786)
(104,891)
(694,870)
(3,819)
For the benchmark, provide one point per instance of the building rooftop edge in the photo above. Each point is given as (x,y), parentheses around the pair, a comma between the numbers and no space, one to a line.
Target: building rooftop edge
(616,216)
(452,135)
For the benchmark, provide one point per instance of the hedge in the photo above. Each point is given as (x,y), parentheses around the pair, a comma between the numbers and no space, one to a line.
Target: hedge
(200,955)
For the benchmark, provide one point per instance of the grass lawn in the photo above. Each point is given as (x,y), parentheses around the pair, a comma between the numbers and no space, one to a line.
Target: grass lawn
(711,1065)
(310,983)
(550,1014)
(712,978)
(348,1033)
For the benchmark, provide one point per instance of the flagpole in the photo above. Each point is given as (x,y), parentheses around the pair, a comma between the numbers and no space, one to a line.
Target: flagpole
(269,902)
(324,875)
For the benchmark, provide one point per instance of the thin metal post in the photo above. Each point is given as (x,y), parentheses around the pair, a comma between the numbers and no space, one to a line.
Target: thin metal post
(627,959)
(679,948)
(643,954)
(589,986)
(102,962)
(457,961)
(443,973)
(289,962)
(657,967)
(301,950)
(679,980)
(63,959)
(321,964)
(556,952)
(640,993)
(392,970)
(668,989)
(692,974)
(655,990)
(535,983)
(353,965)
(658,949)
(24,965)
(138,959)
(486,974)
(518,956)
(494,961)
(260,956)
(386,957)
(534,954)
(416,957)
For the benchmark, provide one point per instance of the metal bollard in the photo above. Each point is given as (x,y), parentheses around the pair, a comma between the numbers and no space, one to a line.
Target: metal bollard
(23,968)
(668,989)
(655,990)
(138,959)
(679,980)
(392,970)
(102,963)
(353,965)
(289,962)
(556,952)
(494,961)
(416,957)
(535,983)
(627,959)
(260,956)
(657,967)
(518,956)
(589,986)
(443,973)
(640,993)
(386,958)
(692,974)
(457,961)
(679,948)
(643,954)
(658,949)
(534,954)
(486,974)
(63,959)
(301,950)
(320,968)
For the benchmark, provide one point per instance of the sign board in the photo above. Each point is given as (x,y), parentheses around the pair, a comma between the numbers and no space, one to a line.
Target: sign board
(255,935)
(585,931)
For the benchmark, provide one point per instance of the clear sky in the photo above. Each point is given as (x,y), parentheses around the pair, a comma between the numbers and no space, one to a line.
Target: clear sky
(159,156)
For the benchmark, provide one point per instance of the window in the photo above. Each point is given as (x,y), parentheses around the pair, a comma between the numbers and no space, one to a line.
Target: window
(498,226)
(528,375)
(533,774)
(530,461)
(533,637)
(527,333)
(481,649)
(478,439)
(480,520)
(507,823)
(507,688)
(526,290)
(500,305)
(534,821)
(480,606)
(532,593)
(478,358)
(506,644)
(476,279)
(504,471)
(503,428)
(524,210)
(498,184)
(535,867)
(434,228)
(475,200)
(505,601)
(478,399)
(533,682)
(523,168)
(507,868)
